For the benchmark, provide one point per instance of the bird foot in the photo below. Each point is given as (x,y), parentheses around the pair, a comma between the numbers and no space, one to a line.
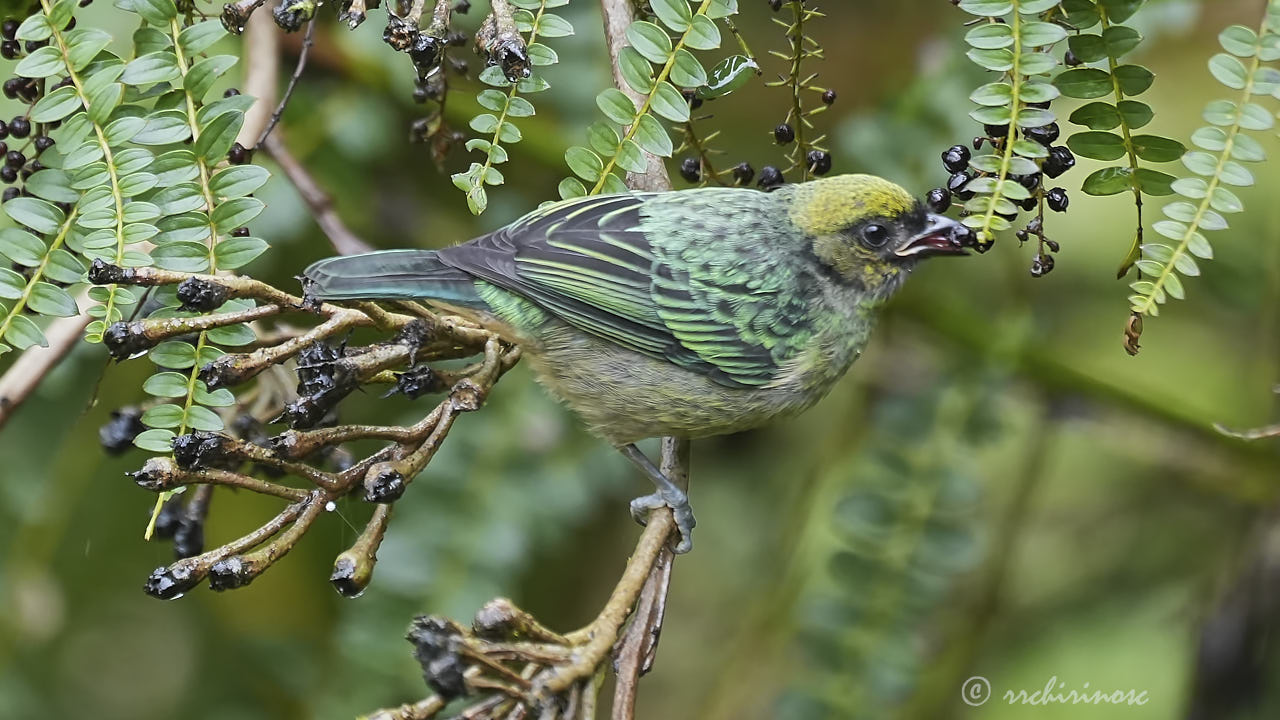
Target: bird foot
(678,502)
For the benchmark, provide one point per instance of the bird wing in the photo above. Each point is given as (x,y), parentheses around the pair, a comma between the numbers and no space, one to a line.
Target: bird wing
(695,278)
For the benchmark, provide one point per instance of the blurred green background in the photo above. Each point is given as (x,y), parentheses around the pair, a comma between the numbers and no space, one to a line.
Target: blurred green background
(997,489)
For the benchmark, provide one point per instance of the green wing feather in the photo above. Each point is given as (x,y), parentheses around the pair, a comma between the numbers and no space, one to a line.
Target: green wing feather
(710,280)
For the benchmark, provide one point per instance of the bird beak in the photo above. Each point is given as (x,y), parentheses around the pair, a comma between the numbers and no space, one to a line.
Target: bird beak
(941,236)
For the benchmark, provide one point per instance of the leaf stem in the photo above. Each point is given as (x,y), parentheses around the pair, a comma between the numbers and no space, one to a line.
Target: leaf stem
(1015,83)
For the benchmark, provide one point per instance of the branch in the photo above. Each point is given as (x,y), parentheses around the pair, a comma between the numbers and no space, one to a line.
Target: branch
(343,240)
(618,15)
(27,371)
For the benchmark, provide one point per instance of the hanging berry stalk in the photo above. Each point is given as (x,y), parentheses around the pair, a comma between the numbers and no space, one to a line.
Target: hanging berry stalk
(807,154)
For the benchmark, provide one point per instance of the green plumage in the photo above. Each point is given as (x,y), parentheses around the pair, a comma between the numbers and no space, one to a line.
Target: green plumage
(694,313)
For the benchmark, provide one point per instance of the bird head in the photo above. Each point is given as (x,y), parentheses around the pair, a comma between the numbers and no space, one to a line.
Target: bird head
(871,232)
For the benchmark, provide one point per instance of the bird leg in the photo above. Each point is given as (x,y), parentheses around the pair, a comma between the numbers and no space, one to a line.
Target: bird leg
(668,495)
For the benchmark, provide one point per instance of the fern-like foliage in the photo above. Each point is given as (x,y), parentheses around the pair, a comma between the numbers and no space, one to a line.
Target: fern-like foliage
(504,98)
(658,61)
(1216,164)
(1112,123)
(1014,39)
(138,175)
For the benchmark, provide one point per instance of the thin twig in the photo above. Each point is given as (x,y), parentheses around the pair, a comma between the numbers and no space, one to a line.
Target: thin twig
(261,74)
(307,41)
(27,371)
(343,240)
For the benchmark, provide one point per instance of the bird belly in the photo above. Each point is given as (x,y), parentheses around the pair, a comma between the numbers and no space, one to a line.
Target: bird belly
(625,396)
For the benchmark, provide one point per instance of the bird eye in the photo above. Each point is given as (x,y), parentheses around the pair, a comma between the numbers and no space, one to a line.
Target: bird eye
(875,236)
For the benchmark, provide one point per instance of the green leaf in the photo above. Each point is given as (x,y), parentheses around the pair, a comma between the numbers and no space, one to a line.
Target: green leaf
(991,115)
(12,284)
(84,44)
(233,335)
(1228,71)
(238,180)
(650,41)
(21,247)
(182,257)
(1087,48)
(235,213)
(722,9)
(64,267)
(51,184)
(156,12)
(201,418)
(1039,92)
(1029,117)
(554,26)
(163,416)
(1134,79)
(24,333)
(1039,34)
(993,94)
(164,128)
(728,75)
(103,101)
(1120,10)
(636,71)
(584,163)
(202,75)
(157,440)
(1136,114)
(151,68)
(1154,182)
(703,34)
(652,137)
(675,14)
(571,188)
(42,63)
(35,27)
(990,36)
(48,299)
(1119,40)
(216,137)
(1233,173)
(995,60)
(166,384)
(43,217)
(1096,116)
(237,252)
(541,55)
(616,106)
(1097,145)
(1084,83)
(1200,163)
(986,8)
(631,157)
(1154,148)
(1239,41)
(201,36)
(1036,63)
(669,103)
(602,138)
(56,105)
(687,71)
(1108,181)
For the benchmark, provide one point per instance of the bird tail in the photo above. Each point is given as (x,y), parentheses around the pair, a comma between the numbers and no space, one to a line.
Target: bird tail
(391,275)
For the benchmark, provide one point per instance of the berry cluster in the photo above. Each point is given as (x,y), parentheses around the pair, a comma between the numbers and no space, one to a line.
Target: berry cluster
(1058,160)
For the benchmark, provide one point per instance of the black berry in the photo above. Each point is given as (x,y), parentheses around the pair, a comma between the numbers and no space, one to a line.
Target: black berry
(819,162)
(43,142)
(1060,160)
(956,158)
(1045,135)
(1041,265)
(15,159)
(829,97)
(938,200)
(743,173)
(10,49)
(956,184)
(238,154)
(1070,59)
(8,174)
(691,169)
(8,29)
(770,178)
(996,131)
(1057,199)
(1030,182)
(9,194)
(240,232)
(19,127)
(784,134)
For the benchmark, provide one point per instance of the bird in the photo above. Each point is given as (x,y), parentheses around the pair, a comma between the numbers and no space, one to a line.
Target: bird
(686,313)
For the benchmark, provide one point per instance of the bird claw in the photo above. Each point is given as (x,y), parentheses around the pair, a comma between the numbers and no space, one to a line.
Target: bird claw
(678,502)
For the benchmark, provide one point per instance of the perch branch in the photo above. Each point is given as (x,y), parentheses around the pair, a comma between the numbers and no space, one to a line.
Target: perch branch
(22,378)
